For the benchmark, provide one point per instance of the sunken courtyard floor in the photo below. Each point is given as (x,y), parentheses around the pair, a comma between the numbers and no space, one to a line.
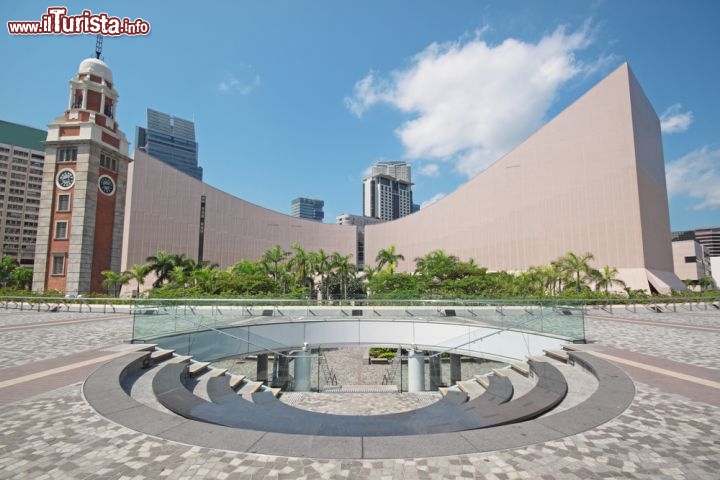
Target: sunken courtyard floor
(671,430)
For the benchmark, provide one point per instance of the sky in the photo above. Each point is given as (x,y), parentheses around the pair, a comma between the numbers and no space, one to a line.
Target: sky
(298,98)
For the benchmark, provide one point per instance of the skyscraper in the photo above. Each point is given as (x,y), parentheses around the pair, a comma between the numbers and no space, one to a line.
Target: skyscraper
(387,193)
(308,208)
(22,155)
(172,140)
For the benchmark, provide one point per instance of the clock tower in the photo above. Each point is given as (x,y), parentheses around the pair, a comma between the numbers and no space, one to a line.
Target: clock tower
(82,204)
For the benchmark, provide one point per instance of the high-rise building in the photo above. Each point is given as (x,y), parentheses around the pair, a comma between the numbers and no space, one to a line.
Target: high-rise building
(308,208)
(387,193)
(82,202)
(22,155)
(172,140)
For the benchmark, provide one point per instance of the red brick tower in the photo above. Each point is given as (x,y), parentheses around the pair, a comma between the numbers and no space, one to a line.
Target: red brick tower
(83,192)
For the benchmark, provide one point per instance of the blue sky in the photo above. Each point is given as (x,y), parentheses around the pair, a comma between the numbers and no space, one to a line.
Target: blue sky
(299,98)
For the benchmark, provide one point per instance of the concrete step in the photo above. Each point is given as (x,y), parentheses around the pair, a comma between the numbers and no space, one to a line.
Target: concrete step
(521,368)
(276,391)
(483,380)
(197,368)
(249,387)
(180,359)
(559,355)
(500,372)
(216,372)
(236,380)
(537,358)
(573,347)
(161,355)
(471,387)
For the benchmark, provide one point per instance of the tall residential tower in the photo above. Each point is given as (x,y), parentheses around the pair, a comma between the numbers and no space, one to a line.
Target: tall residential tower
(387,192)
(22,154)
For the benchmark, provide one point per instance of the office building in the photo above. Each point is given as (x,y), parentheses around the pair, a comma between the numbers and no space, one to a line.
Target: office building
(172,140)
(22,155)
(307,208)
(387,192)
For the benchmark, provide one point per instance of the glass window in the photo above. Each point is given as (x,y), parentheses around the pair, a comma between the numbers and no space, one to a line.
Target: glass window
(58,265)
(67,155)
(63,204)
(61,230)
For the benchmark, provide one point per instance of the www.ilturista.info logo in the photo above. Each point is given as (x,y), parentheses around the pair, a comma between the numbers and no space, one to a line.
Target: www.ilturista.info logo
(57,22)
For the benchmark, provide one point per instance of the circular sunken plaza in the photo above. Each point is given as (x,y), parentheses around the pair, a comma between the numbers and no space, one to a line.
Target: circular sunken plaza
(640,399)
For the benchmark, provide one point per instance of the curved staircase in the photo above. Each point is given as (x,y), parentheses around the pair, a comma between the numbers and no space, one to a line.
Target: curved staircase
(186,401)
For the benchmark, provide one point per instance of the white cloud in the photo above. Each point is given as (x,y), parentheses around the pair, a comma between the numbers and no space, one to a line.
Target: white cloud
(471,102)
(697,175)
(432,200)
(429,170)
(675,121)
(244,81)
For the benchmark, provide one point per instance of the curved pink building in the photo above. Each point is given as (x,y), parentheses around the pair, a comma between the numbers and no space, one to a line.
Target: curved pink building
(164,214)
(591,180)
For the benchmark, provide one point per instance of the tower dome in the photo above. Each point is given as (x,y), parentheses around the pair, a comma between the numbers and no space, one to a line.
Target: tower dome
(97,67)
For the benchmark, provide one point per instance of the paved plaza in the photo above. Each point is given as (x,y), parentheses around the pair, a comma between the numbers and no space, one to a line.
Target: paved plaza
(671,430)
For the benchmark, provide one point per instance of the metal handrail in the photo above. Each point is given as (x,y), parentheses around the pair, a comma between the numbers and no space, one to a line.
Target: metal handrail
(480,339)
(261,347)
(115,304)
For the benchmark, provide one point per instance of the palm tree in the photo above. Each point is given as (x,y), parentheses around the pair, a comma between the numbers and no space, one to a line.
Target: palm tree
(204,277)
(387,256)
(245,267)
(162,263)
(321,266)
(607,277)
(274,257)
(138,273)
(576,267)
(178,276)
(301,266)
(114,281)
(343,269)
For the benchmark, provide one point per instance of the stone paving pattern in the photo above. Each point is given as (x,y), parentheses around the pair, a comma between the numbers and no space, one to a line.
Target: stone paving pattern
(695,347)
(32,344)
(661,436)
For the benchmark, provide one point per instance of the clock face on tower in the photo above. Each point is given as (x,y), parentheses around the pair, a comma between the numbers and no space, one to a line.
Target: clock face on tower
(106,185)
(65,179)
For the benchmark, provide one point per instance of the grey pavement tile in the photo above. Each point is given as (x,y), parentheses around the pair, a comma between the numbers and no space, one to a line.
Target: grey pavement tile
(661,435)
